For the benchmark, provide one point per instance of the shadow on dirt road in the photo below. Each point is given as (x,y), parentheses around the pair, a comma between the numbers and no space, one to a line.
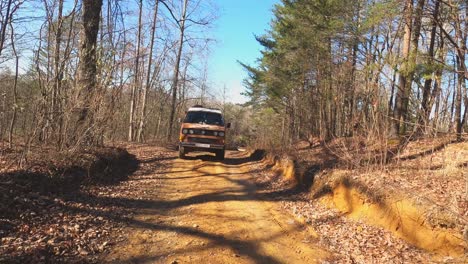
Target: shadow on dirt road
(203,210)
(191,211)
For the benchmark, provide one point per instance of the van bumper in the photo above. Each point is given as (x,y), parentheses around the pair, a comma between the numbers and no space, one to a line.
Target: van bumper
(191,146)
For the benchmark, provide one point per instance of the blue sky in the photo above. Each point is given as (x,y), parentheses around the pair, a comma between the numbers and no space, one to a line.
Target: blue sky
(238,22)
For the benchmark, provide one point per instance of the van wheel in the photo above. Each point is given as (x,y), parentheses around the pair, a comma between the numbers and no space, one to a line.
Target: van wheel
(181,153)
(220,154)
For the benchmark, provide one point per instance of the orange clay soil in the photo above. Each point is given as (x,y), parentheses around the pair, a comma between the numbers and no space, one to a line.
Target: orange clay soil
(204,211)
(363,197)
(398,215)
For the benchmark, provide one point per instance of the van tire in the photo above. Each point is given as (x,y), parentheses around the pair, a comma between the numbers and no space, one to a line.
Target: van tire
(220,154)
(181,153)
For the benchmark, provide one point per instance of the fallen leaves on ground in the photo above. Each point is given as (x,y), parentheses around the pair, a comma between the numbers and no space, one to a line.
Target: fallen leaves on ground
(437,179)
(42,225)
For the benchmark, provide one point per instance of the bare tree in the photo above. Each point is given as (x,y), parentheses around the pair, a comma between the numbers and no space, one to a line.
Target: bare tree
(5,20)
(136,83)
(458,41)
(147,85)
(15,88)
(183,23)
(428,95)
(175,80)
(88,64)
(402,98)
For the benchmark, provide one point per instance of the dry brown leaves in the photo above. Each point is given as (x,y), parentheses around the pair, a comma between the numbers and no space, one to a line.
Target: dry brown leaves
(48,226)
(431,172)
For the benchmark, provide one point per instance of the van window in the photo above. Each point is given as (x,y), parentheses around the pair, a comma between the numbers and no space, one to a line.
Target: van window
(199,117)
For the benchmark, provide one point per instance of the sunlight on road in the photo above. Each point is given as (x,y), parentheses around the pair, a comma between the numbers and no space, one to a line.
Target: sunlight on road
(210,211)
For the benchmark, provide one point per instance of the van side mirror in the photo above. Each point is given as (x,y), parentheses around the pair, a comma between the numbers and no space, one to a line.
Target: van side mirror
(228,125)
(180,120)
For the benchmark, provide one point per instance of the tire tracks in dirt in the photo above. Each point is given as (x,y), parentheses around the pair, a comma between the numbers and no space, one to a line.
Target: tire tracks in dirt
(209,212)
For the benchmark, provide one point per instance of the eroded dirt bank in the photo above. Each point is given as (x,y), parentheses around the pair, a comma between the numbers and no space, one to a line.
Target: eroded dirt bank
(379,216)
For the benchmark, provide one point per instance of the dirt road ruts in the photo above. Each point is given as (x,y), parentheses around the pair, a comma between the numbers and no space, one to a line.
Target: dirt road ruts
(200,210)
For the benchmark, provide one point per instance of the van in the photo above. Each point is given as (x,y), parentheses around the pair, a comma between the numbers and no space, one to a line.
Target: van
(203,130)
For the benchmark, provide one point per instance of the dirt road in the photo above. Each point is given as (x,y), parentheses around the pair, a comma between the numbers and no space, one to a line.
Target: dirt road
(203,211)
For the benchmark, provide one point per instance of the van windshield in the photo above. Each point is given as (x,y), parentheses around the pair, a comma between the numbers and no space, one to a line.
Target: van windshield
(199,117)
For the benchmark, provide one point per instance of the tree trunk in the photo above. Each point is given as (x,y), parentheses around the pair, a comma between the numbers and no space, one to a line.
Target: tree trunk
(133,99)
(452,107)
(15,90)
(175,81)
(402,96)
(428,99)
(4,24)
(87,68)
(58,76)
(417,24)
(461,88)
(461,35)
(148,76)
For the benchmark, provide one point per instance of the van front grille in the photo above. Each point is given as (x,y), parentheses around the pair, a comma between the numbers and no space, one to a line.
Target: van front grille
(203,132)
(203,140)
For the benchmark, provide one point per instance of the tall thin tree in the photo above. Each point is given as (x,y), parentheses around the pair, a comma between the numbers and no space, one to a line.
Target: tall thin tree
(87,68)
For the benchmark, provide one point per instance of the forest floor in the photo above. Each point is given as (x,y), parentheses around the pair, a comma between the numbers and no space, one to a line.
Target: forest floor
(50,211)
(430,174)
(165,210)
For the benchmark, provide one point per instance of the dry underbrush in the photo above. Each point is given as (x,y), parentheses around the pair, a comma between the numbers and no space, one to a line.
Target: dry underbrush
(431,173)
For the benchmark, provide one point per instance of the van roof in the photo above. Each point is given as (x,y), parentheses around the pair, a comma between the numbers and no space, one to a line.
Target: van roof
(203,109)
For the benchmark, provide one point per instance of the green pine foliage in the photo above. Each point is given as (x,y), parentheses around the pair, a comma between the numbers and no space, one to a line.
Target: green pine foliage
(308,46)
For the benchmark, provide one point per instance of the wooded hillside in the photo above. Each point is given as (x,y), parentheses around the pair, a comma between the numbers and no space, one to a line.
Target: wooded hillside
(328,69)
(79,73)
(374,68)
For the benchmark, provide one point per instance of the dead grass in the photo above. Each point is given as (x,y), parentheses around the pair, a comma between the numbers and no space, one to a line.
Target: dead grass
(433,172)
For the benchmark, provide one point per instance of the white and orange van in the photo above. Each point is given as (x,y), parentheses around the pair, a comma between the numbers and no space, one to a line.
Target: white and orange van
(203,129)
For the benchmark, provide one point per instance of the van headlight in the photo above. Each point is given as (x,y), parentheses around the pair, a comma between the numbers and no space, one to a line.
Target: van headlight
(215,133)
(221,134)
(191,131)
(184,131)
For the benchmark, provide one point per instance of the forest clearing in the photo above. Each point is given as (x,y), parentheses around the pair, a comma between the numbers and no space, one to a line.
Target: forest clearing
(203,131)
